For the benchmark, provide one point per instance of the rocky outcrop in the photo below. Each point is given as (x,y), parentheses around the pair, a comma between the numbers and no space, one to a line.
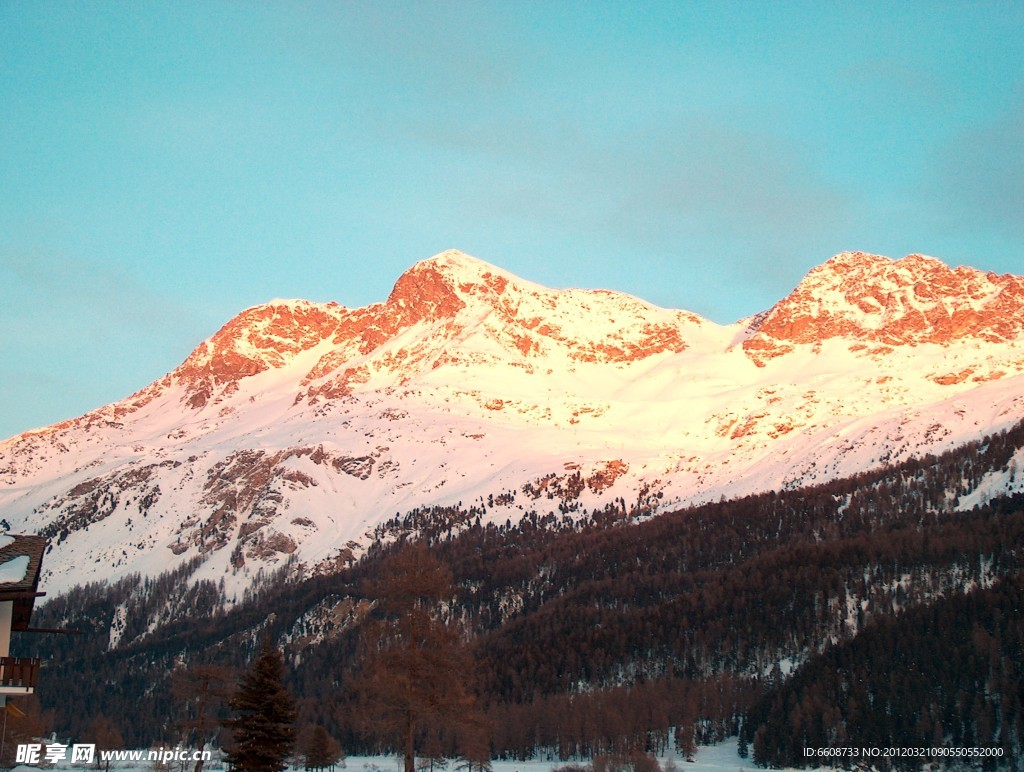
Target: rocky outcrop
(871,299)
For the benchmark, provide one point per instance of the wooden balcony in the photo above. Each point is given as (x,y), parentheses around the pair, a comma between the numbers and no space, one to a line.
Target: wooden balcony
(18,675)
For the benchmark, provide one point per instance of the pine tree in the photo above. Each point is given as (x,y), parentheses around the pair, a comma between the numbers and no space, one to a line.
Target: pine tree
(415,677)
(201,693)
(431,755)
(264,727)
(106,736)
(321,750)
(475,747)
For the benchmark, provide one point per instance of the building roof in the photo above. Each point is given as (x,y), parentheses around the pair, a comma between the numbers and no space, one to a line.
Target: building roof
(24,590)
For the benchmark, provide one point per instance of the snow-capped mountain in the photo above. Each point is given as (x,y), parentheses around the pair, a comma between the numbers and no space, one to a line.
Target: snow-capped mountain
(299,427)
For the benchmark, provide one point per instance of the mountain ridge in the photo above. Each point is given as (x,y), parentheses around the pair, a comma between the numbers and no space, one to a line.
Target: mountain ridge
(299,426)
(437,288)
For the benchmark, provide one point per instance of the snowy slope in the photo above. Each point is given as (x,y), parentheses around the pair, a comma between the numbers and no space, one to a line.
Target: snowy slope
(298,427)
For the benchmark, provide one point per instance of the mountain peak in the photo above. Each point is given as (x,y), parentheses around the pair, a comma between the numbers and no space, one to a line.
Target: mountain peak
(458,264)
(271,335)
(874,299)
(850,260)
(439,286)
(865,266)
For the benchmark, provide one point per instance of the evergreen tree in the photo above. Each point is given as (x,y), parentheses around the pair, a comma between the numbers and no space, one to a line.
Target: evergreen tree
(321,750)
(201,691)
(107,737)
(264,728)
(432,757)
(415,676)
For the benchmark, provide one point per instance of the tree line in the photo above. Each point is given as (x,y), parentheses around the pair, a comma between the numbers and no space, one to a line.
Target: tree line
(605,633)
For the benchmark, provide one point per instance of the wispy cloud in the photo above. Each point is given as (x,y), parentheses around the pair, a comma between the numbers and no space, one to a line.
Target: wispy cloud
(979,177)
(44,290)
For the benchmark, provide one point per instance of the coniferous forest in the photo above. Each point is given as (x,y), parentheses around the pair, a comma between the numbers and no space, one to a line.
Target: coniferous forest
(867,611)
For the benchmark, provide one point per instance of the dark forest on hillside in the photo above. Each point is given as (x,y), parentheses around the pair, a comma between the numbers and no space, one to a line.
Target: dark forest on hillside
(616,632)
(946,674)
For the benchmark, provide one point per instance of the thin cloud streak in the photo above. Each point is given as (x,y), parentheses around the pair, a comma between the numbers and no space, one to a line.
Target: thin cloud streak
(54,288)
(979,180)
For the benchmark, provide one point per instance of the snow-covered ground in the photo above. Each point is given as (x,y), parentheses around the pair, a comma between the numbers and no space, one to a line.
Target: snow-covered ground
(723,756)
(711,757)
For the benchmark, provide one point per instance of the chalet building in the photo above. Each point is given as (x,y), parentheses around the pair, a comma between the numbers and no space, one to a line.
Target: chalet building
(21,558)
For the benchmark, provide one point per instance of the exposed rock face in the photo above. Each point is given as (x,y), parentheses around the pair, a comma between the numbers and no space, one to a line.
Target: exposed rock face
(428,291)
(256,340)
(875,300)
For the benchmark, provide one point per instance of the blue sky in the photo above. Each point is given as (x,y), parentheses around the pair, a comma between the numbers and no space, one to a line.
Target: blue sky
(165,165)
